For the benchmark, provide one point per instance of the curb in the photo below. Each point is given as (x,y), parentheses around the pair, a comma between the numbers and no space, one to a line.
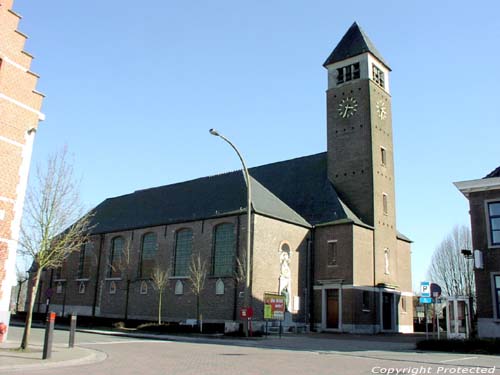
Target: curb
(93,356)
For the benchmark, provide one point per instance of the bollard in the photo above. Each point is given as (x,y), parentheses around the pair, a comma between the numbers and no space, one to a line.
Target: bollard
(49,333)
(72,330)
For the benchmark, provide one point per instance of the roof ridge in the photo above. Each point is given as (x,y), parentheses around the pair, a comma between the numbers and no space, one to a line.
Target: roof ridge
(493,173)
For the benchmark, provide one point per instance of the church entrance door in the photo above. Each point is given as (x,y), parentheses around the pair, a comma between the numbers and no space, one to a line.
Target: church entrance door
(332,308)
(387,311)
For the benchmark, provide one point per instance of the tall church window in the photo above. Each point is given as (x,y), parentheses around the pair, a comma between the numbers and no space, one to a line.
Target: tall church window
(378,76)
(384,204)
(115,256)
(83,261)
(494,221)
(224,250)
(182,253)
(148,254)
(332,253)
(348,73)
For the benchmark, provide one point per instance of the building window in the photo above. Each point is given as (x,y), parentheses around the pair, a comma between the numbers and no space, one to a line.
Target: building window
(58,273)
(182,252)
(112,288)
(83,266)
(179,288)
(378,76)
(383,156)
(384,204)
(496,288)
(144,287)
(219,287)
(148,254)
(494,220)
(224,250)
(332,253)
(81,288)
(115,256)
(366,300)
(348,73)
(59,288)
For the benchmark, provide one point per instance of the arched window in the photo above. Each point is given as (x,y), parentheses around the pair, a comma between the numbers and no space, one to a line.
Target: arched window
(148,254)
(115,256)
(182,253)
(224,250)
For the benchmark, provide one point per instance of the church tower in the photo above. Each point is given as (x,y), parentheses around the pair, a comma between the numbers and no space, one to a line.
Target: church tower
(360,147)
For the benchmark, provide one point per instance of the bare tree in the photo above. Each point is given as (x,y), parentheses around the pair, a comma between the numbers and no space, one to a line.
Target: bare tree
(449,268)
(160,278)
(197,277)
(54,223)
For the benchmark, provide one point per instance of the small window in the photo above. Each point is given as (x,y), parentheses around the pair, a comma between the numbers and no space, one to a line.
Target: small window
(144,287)
(383,156)
(496,288)
(112,287)
(332,253)
(348,73)
(378,76)
(179,288)
(384,204)
(59,288)
(494,221)
(81,288)
(403,304)
(219,287)
(83,261)
(366,300)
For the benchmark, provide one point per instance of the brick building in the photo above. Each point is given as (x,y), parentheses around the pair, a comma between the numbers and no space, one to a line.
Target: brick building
(484,200)
(20,113)
(323,228)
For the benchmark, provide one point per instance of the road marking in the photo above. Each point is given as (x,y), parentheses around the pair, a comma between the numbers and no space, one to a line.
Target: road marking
(458,359)
(125,342)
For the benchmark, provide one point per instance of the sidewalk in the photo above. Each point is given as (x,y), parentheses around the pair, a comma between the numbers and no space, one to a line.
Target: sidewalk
(12,359)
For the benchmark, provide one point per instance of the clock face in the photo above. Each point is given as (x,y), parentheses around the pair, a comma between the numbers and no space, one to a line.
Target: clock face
(381,110)
(347,107)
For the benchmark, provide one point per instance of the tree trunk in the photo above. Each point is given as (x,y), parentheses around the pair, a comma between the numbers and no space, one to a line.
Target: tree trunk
(18,296)
(29,315)
(159,307)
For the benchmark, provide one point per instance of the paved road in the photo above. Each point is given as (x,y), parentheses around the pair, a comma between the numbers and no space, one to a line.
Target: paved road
(304,355)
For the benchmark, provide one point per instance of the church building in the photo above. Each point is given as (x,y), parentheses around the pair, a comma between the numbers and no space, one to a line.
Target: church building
(323,229)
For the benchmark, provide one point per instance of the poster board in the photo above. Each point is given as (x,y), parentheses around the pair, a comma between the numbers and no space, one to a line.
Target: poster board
(274,306)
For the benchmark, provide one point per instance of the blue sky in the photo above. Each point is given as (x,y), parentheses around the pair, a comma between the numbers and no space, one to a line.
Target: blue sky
(133,87)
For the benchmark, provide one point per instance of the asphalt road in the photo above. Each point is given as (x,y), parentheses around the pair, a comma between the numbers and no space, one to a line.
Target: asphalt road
(304,355)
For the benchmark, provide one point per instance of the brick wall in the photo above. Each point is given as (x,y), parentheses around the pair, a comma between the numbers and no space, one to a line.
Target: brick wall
(19,112)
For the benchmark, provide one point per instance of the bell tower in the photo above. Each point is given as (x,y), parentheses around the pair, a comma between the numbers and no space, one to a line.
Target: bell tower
(359,136)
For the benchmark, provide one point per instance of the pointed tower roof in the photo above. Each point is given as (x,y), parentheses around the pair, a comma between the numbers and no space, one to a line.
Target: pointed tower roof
(353,43)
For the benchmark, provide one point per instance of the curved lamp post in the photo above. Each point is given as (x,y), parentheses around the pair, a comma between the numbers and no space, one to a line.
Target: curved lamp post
(246,175)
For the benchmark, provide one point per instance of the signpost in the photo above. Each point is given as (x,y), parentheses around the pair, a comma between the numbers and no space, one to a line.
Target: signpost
(425,298)
(274,308)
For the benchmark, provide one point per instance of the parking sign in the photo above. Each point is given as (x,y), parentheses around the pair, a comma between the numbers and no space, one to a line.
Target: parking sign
(425,289)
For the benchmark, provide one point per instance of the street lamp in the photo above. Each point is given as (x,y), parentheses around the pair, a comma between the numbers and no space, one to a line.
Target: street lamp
(246,175)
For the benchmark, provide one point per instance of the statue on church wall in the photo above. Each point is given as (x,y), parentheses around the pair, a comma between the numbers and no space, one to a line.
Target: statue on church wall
(285,281)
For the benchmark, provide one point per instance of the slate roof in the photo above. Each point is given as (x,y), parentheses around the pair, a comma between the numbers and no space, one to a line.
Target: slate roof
(494,173)
(297,191)
(353,43)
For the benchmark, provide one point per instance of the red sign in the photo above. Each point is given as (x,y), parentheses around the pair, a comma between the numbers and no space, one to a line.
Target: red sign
(246,312)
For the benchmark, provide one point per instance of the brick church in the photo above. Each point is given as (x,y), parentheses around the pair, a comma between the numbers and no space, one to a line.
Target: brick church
(20,105)
(323,227)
